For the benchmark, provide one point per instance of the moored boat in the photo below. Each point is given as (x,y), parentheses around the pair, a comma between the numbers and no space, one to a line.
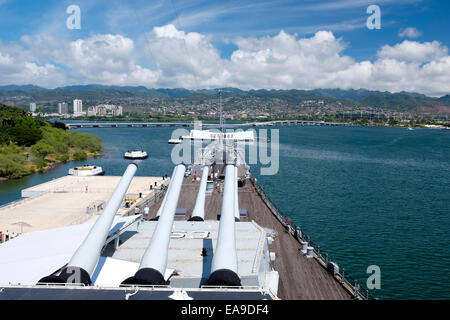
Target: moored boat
(87,170)
(175,141)
(135,154)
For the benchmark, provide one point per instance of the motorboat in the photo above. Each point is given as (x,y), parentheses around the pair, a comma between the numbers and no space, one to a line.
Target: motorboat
(135,154)
(86,171)
(175,141)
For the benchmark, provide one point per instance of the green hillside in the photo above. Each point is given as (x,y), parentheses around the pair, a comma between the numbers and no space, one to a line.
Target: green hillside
(28,145)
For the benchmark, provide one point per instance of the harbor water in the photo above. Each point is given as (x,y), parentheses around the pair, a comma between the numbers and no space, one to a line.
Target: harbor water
(367,196)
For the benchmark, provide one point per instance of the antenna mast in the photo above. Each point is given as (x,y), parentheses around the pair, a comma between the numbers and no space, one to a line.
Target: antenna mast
(220,108)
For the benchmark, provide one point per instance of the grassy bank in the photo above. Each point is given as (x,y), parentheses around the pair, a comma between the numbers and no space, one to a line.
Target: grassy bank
(28,145)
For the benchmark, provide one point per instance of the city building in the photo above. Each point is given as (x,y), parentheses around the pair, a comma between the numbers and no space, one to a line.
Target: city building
(63,108)
(105,110)
(32,107)
(77,106)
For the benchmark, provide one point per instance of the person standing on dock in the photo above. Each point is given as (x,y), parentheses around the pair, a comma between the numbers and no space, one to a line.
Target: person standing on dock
(146,212)
(137,210)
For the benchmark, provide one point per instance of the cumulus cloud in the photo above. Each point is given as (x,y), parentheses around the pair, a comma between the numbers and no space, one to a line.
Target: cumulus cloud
(286,62)
(190,60)
(104,59)
(283,61)
(19,66)
(410,32)
(186,60)
(411,51)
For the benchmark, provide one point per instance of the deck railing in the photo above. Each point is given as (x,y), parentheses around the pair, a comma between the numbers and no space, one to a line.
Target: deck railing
(19,202)
(348,282)
(149,200)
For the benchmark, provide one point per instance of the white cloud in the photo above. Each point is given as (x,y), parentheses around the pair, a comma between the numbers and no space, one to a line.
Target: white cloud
(190,60)
(348,4)
(185,59)
(410,32)
(285,62)
(18,66)
(412,51)
(318,62)
(200,17)
(104,59)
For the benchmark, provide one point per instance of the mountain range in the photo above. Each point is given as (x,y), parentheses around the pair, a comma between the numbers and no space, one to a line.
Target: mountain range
(93,93)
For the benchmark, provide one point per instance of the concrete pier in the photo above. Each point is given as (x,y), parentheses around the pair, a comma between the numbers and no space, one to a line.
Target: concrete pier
(71,200)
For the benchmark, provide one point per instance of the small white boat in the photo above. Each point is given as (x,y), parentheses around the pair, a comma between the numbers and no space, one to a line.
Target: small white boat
(135,154)
(175,141)
(86,171)
(409,128)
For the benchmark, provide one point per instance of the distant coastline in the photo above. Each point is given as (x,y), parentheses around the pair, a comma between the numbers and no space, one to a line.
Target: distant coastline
(414,124)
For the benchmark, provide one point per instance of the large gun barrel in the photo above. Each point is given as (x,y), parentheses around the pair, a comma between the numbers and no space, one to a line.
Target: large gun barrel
(237,214)
(160,210)
(84,260)
(225,263)
(154,261)
(198,214)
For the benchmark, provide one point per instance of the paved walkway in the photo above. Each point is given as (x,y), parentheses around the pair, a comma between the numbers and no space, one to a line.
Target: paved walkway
(64,202)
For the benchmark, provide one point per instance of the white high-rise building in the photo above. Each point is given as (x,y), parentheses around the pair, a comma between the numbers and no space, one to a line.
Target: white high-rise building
(77,106)
(32,107)
(63,108)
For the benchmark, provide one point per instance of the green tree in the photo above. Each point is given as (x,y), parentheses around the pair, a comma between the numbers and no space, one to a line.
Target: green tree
(85,141)
(42,149)
(80,155)
(12,161)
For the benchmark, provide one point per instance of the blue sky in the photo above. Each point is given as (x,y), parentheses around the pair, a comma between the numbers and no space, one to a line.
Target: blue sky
(224,22)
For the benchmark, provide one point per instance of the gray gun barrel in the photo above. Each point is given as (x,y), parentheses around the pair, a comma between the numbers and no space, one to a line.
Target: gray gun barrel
(165,196)
(198,214)
(154,261)
(225,263)
(237,215)
(83,262)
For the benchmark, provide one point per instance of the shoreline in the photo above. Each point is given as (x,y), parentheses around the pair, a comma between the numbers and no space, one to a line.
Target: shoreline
(430,125)
(49,167)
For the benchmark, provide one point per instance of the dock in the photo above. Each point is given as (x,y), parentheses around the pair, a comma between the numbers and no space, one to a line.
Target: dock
(71,200)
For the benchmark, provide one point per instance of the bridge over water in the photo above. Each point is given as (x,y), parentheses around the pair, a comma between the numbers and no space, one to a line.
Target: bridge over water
(122,124)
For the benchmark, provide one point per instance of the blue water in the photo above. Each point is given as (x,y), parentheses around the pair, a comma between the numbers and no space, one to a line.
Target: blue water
(367,196)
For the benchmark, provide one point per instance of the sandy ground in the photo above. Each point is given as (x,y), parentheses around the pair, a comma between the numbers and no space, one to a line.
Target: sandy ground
(65,202)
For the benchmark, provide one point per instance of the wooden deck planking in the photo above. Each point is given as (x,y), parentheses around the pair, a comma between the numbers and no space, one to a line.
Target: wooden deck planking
(300,277)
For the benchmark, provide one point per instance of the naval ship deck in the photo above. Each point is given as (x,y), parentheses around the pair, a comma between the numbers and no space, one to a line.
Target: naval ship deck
(299,277)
